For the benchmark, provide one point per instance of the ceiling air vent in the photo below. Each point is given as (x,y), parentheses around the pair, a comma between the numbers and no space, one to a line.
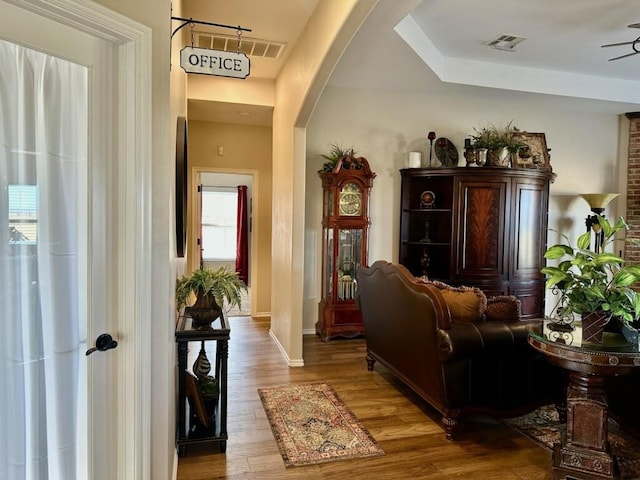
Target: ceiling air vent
(505,42)
(253,47)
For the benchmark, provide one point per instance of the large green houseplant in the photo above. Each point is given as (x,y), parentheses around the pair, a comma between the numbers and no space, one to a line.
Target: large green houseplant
(212,289)
(594,283)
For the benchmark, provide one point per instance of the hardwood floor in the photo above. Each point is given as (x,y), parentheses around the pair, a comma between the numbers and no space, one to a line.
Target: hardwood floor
(405,427)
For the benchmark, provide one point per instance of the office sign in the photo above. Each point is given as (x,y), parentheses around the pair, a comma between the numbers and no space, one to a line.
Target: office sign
(214,62)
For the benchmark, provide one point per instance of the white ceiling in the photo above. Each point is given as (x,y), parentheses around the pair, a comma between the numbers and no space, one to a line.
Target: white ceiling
(562,35)
(562,53)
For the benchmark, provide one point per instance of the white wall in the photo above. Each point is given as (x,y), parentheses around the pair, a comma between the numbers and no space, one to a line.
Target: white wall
(384,126)
(326,34)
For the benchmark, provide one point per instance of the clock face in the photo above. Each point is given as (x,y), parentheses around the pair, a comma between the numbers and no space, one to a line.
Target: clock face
(350,200)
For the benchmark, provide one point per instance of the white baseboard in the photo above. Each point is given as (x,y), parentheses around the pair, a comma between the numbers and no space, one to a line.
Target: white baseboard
(175,465)
(290,362)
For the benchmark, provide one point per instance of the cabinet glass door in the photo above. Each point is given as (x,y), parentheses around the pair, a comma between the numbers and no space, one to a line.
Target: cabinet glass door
(328,263)
(349,259)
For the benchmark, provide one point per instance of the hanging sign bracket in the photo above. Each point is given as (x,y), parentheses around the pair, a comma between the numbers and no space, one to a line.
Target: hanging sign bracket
(188,21)
(213,62)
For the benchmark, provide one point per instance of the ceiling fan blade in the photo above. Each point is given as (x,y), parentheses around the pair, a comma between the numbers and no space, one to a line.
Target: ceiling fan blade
(618,44)
(624,56)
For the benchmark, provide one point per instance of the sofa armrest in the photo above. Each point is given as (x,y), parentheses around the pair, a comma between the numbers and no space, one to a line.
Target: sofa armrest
(495,338)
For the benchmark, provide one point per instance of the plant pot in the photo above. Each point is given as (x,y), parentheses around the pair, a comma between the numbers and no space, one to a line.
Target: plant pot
(592,326)
(205,309)
(201,316)
(630,333)
(499,157)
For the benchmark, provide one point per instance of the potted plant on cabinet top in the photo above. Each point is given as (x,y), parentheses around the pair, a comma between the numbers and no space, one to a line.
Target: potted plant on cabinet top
(503,144)
(594,284)
(212,288)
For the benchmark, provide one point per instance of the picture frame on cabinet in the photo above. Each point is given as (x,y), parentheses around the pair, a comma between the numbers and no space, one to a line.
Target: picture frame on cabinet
(537,155)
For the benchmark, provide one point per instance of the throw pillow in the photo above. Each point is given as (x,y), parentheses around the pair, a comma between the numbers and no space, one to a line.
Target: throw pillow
(505,308)
(466,304)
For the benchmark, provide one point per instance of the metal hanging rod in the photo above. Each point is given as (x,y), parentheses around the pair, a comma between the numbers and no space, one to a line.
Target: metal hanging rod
(187,21)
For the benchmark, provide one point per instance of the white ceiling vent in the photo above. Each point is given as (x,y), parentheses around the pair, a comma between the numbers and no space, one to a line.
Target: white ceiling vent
(505,42)
(229,43)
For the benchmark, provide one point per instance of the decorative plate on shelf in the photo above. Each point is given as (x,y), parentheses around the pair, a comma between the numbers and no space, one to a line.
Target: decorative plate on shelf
(446,152)
(427,199)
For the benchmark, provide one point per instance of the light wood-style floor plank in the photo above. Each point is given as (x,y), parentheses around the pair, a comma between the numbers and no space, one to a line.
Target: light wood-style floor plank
(405,426)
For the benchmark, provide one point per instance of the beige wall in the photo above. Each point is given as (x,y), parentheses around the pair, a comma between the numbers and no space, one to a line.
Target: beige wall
(298,86)
(247,149)
(293,97)
(384,126)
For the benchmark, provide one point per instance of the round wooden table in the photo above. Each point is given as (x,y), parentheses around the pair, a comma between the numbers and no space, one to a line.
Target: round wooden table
(583,452)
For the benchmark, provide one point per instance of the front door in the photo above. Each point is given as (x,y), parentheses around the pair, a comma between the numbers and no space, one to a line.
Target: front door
(62,195)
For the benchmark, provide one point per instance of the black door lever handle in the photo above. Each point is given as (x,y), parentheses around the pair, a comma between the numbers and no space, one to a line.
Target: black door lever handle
(103,342)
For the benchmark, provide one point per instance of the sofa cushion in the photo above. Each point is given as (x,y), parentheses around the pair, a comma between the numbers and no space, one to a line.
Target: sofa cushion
(466,304)
(505,308)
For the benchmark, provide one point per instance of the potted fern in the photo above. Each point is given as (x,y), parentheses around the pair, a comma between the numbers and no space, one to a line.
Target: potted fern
(596,285)
(212,288)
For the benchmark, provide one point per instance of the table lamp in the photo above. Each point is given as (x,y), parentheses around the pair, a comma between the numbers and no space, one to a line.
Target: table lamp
(597,202)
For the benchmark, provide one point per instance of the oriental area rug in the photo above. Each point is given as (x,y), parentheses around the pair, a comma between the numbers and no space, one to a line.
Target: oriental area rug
(311,425)
(544,427)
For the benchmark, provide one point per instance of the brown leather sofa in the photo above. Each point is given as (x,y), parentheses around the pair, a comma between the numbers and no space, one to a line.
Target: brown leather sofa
(459,364)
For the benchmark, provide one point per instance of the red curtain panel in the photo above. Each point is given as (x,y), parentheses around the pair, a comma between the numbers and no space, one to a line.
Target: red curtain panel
(242,243)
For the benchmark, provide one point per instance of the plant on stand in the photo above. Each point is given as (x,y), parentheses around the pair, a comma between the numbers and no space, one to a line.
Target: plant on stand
(212,288)
(596,285)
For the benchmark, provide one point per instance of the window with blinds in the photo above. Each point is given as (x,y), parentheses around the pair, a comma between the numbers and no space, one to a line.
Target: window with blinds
(23,214)
(219,218)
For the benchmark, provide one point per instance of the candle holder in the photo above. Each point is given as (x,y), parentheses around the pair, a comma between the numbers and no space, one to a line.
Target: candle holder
(431,136)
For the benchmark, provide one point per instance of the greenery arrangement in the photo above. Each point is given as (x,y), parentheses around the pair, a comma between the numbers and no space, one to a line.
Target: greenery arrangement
(221,284)
(336,152)
(208,386)
(591,281)
(495,138)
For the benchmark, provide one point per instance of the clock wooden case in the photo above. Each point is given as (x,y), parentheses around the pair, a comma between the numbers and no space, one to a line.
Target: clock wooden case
(345,228)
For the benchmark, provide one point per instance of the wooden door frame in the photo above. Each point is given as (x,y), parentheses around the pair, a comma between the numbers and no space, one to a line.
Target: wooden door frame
(194,220)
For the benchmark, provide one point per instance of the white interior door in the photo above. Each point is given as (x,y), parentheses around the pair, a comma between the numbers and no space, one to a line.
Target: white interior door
(112,399)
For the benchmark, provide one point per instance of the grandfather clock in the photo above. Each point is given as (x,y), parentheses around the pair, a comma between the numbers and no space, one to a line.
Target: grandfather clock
(345,228)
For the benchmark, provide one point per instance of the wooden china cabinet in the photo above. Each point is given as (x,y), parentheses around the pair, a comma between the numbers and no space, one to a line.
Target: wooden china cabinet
(345,228)
(483,227)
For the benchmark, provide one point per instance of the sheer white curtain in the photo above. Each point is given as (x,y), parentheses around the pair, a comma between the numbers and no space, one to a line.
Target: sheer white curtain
(43,124)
